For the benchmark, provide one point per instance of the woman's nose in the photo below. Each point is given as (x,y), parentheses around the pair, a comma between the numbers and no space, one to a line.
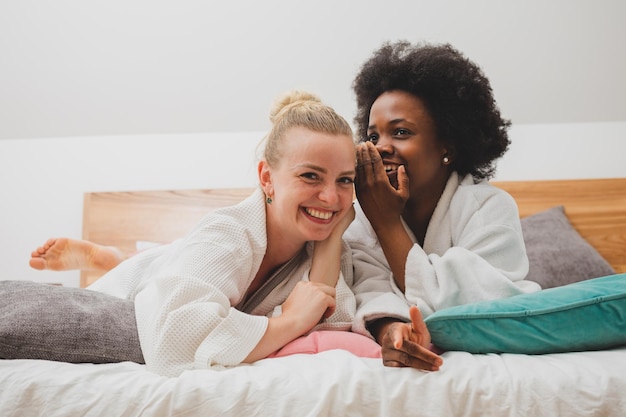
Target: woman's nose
(384,145)
(329,194)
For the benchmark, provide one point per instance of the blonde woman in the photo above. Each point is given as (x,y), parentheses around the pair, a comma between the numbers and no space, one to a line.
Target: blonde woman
(250,278)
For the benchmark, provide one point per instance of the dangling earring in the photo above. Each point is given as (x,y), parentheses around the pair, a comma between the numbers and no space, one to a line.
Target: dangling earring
(446,160)
(268,200)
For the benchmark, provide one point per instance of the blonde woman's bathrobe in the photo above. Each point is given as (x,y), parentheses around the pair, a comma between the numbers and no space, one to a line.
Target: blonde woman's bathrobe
(189,295)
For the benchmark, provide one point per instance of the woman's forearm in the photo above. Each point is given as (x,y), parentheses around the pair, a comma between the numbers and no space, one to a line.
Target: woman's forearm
(325,265)
(396,245)
(326,262)
(280,331)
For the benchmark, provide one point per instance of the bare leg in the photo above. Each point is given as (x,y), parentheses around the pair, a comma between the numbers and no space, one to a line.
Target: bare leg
(63,254)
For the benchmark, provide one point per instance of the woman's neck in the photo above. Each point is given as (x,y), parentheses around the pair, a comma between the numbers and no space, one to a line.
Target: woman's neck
(280,248)
(419,210)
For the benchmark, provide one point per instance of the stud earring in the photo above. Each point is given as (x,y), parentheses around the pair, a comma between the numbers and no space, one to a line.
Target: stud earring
(446,160)
(268,200)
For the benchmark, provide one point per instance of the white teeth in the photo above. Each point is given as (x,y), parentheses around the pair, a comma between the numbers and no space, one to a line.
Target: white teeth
(324,215)
(391,168)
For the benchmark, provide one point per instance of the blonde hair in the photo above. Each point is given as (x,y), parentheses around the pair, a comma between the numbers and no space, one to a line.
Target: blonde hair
(300,109)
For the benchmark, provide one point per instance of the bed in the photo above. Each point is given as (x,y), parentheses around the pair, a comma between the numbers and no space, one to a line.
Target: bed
(336,382)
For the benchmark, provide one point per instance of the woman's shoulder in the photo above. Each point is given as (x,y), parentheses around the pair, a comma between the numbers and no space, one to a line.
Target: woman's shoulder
(481,198)
(482,192)
(246,219)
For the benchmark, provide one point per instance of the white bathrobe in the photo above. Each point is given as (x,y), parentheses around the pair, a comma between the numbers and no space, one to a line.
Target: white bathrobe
(473,251)
(189,295)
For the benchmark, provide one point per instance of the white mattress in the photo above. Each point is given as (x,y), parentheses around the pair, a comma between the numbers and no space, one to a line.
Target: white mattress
(330,383)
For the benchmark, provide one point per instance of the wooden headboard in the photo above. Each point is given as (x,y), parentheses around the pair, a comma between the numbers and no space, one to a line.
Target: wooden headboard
(122,219)
(596,208)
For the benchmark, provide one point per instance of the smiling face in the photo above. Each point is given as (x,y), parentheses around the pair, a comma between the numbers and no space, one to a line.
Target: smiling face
(311,186)
(404,134)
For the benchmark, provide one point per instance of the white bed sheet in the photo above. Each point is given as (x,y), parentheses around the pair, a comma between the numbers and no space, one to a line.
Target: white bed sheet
(333,383)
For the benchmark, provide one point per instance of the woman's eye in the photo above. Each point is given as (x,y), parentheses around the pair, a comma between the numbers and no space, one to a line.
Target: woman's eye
(346,180)
(401,132)
(309,176)
(372,138)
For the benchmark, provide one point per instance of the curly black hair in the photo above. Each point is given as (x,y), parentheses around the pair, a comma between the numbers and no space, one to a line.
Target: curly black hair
(455,91)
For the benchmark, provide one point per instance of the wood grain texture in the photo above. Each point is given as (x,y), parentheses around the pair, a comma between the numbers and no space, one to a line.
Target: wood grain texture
(122,219)
(596,208)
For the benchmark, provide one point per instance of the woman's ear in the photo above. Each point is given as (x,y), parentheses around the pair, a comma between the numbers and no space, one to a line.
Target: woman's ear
(449,154)
(265,177)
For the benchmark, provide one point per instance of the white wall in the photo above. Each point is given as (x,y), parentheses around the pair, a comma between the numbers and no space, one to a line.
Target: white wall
(102,67)
(43,180)
(565,151)
(104,95)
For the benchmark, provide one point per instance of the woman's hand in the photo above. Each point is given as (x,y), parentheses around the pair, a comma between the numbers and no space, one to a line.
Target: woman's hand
(302,310)
(383,206)
(308,303)
(343,224)
(380,201)
(326,262)
(408,344)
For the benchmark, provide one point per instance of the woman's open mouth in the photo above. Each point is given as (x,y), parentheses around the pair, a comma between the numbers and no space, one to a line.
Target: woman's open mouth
(319,214)
(392,173)
(391,168)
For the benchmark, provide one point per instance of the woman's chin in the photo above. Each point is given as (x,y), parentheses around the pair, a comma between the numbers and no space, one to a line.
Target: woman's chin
(321,233)
(318,237)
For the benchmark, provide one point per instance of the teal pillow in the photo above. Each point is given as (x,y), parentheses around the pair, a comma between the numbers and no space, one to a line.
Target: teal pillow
(586,315)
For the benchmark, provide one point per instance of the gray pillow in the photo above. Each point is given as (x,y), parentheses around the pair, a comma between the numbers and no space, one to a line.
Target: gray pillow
(40,321)
(557,253)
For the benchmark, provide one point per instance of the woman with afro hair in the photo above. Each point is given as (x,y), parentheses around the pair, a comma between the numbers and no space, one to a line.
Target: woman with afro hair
(430,231)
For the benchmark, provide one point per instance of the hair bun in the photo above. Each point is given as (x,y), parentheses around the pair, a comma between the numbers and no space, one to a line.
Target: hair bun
(289,99)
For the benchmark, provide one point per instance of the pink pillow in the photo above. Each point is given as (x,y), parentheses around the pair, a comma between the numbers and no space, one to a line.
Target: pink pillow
(323,340)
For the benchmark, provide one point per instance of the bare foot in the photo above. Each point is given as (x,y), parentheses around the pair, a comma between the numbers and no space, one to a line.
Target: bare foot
(63,254)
